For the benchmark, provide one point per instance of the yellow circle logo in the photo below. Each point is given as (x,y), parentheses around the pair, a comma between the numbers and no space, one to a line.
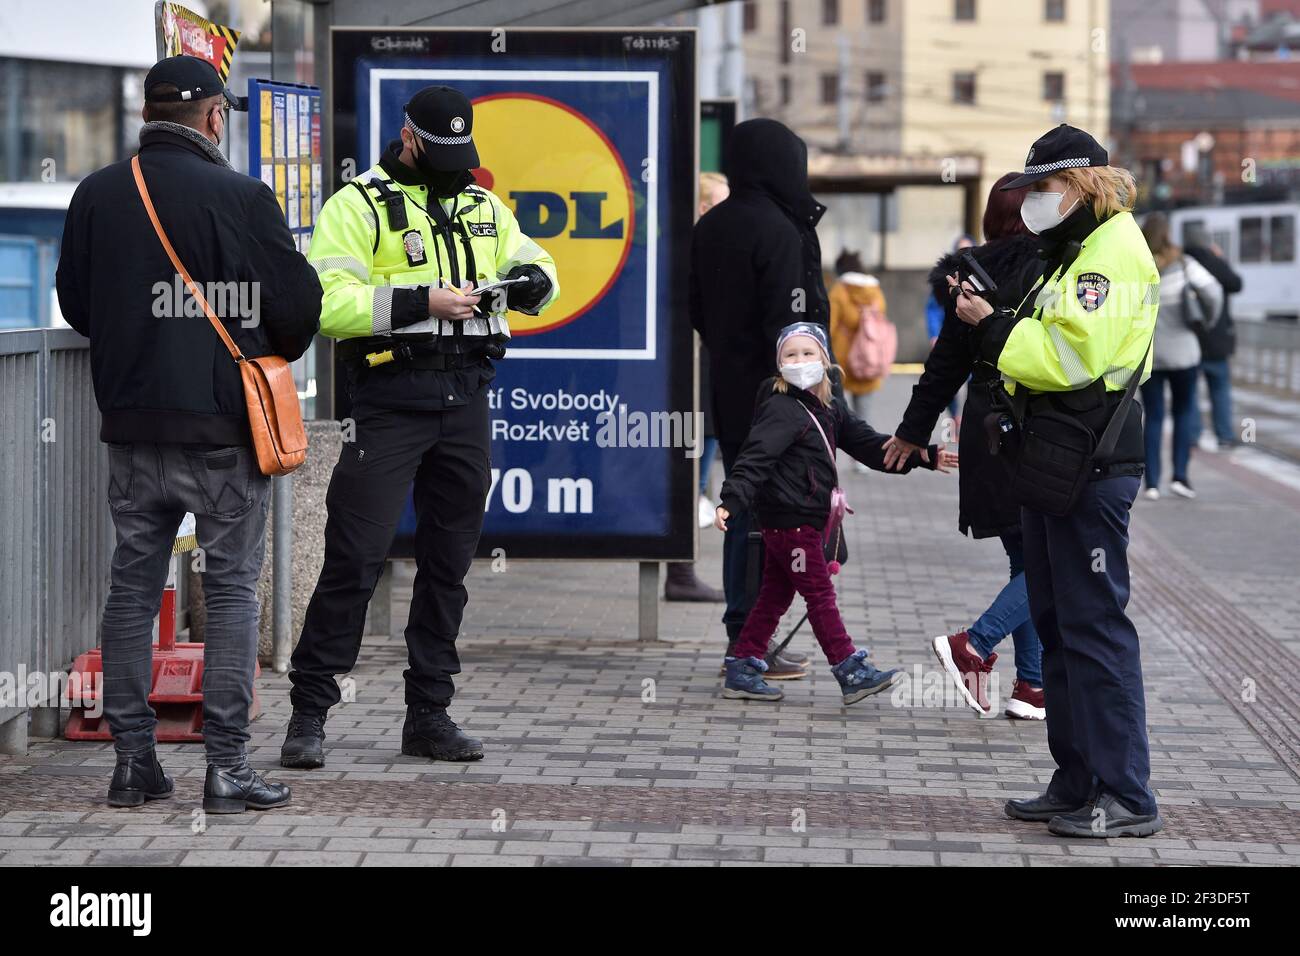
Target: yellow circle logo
(569,190)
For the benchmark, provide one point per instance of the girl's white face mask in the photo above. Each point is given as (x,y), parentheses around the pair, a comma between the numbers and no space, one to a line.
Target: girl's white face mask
(803,374)
(1039,211)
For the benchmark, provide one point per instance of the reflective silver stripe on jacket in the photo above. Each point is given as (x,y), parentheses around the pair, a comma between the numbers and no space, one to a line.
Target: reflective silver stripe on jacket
(1071,364)
(381,310)
(1118,375)
(346,263)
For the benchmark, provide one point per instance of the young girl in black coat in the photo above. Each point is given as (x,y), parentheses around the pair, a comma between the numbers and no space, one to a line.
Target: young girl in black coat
(785,474)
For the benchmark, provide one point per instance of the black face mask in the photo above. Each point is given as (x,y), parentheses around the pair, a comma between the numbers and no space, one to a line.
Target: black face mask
(442,183)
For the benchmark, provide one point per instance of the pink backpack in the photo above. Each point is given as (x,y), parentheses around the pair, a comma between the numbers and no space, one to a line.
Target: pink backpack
(875,344)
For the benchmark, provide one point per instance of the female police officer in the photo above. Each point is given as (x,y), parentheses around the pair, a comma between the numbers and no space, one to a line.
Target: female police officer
(1066,356)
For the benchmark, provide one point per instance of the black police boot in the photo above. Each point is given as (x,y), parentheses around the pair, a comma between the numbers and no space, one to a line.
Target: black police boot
(1043,807)
(137,778)
(236,789)
(1104,819)
(304,742)
(429,732)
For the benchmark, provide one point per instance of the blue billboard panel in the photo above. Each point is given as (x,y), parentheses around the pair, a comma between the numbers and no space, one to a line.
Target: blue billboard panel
(590,137)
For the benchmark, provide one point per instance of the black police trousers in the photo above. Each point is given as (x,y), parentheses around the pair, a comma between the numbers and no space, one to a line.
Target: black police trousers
(445,453)
(1076,573)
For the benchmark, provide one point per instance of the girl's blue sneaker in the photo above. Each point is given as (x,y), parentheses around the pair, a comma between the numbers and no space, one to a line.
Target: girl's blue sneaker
(859,679)
(745,680)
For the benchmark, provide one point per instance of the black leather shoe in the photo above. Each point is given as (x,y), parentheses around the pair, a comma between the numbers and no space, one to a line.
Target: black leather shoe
(236,789)
(137,778)
(1043,807)
(304,742)
(429,732)
(1105,819)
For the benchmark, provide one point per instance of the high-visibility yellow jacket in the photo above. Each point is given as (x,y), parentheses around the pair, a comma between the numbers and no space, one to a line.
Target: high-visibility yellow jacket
(376,278)
(1093,320)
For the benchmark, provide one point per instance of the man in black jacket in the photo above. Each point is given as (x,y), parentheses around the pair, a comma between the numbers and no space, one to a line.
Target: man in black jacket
(173,410)
(1218,343)
(756,267)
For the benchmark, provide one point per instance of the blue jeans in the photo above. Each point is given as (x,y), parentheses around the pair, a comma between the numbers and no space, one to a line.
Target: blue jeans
(150,489)
(1218,381)
(1009,614)
(708,451)
(1187,417)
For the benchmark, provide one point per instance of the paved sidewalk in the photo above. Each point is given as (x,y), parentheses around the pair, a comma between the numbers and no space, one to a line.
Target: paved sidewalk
(601,750)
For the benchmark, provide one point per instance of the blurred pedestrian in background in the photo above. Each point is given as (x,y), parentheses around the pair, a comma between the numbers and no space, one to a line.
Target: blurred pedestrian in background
(1190,305)
(1219,341)
(986,506)
(862,337)
(681,583)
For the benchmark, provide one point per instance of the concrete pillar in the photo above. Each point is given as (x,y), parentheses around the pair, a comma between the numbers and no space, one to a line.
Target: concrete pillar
(13,736)
(46,722)
(379,615)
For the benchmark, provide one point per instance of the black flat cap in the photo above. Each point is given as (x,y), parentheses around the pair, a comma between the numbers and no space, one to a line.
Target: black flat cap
(193,78)
(1065,147)
(444,119)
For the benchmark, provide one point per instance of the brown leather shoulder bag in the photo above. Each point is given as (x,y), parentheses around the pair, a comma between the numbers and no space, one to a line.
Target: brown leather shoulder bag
(274,416)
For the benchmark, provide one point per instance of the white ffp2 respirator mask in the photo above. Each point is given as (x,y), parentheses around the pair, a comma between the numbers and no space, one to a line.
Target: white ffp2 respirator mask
(803,374)
(1039,211)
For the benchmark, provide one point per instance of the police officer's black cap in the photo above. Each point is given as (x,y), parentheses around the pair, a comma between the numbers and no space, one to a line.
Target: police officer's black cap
(1065,147)
(194,80)
(443,119)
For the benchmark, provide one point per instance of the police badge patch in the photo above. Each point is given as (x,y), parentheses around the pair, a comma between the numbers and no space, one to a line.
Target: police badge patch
(1091,288)
(482,228)
(413,243)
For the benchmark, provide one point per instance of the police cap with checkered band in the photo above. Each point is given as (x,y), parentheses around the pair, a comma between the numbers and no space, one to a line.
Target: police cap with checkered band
(1065,147)
(443,120)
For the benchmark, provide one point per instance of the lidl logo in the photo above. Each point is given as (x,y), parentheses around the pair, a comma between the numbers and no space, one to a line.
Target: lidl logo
(569,190)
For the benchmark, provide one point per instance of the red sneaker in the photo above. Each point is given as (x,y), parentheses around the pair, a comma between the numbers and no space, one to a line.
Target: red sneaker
(969,671)
(1026,703)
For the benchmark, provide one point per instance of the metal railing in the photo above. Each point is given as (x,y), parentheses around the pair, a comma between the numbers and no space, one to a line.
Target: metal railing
(1268,355)
(56,534)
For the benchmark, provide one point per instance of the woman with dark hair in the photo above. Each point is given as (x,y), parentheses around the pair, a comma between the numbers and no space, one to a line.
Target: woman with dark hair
(986,508)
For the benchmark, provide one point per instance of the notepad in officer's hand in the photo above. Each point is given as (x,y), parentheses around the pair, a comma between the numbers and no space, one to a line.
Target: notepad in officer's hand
(432,325)
(499,284)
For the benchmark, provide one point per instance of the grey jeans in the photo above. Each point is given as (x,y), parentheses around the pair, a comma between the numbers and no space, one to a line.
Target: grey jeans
(150,489)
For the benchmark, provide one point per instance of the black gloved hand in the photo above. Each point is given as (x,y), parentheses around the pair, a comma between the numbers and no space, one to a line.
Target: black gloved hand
(524,296)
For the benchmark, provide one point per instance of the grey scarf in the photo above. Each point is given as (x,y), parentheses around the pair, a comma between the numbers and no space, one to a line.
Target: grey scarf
(193,135)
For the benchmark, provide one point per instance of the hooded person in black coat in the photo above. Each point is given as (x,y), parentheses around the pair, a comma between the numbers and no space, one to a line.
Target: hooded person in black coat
(756,267)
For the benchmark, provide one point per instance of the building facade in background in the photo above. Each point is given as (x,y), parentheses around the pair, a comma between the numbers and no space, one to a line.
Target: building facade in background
(928,81)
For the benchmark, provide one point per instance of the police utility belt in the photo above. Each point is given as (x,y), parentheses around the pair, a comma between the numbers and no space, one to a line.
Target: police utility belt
(420,354)
(1056,452)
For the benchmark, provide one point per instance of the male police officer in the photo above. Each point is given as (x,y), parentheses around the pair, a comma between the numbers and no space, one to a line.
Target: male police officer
(397,250)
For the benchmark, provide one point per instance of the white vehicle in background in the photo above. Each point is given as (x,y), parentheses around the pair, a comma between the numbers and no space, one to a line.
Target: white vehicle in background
(1259,240)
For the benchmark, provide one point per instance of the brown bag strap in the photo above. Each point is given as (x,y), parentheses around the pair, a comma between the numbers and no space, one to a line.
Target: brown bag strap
(176,262)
